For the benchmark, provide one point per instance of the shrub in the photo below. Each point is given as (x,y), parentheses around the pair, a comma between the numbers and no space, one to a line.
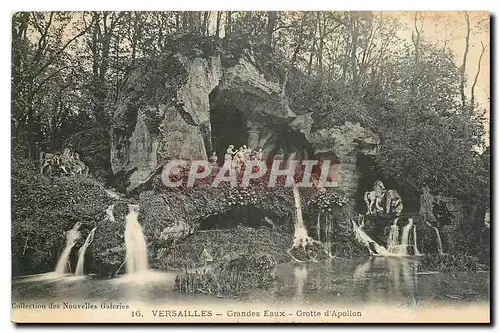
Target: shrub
(219,243)
(43,209)
(452,262)
(235,275)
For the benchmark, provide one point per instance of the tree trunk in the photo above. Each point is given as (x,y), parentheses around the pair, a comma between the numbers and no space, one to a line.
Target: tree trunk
(217,27)
(464,61)
(354,47)
(206,16)
(321,44)
(271,22)
(228,27)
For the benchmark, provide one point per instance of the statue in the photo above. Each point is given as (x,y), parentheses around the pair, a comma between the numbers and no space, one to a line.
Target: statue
(66,159)
(230,151)
(394,204)
(67,162)
(213,159)
(78,167)
(373,199)
(239,159)
(379,195)
(228,157)
(260,155)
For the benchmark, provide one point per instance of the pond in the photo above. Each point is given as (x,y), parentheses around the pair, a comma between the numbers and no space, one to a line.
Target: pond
(374,281)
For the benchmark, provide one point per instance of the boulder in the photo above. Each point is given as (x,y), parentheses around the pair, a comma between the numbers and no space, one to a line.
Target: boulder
(164,112)
(342,144)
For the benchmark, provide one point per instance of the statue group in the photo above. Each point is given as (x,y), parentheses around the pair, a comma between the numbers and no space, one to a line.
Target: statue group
(381,201)
(66,163)
(238,158)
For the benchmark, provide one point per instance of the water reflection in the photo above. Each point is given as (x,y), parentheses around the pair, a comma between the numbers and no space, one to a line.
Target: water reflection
(300,273)
(387,281)
(379,280)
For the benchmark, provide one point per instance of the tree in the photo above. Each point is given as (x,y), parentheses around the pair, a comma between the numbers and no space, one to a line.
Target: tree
(39,55)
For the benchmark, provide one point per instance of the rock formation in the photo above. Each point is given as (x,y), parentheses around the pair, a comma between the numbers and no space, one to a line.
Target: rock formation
(164,111)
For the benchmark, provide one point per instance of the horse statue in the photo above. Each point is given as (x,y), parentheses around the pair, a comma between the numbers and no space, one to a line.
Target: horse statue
(381,200)
(373,199)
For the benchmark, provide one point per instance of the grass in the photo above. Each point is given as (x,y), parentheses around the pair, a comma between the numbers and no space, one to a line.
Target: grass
(452,262)
(236,275)
(219,243)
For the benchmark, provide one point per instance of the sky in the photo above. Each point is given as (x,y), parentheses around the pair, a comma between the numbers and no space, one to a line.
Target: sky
(451,28)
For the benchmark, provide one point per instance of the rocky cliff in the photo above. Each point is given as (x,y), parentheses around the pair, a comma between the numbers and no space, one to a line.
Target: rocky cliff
(168,107)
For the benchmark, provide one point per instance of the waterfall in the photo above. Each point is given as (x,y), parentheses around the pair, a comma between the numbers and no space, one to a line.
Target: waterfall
(405,237)
(300,235)
(439,242)
(362,237)
(82,251)
(137,251)
(417,252)
(402,248)
(71,237)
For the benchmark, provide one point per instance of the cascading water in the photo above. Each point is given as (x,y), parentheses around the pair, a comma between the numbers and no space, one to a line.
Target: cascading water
(402,248)
(71,237)
(363,238)
(439,242)
(137,251)
(82,251)
(301,237)
(417,252)
(405,237)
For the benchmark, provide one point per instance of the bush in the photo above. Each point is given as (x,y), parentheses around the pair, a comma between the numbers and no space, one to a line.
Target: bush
(219,243)
(313,251)
(452,262)
(43,209)
(235,275)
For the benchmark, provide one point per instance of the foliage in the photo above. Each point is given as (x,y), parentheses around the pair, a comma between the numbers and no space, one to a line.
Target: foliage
(451,262)
(312,251)
(241,196)
(43,209)
(234,276)
(219,243)
(327,201)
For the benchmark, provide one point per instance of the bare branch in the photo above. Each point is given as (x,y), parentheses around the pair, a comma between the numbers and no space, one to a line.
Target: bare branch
(483,47)
(464,61)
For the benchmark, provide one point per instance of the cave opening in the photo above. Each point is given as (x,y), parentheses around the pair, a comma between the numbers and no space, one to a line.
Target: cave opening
(288,141)
(230,125)
(249,216)
(227,126)
(369,173)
